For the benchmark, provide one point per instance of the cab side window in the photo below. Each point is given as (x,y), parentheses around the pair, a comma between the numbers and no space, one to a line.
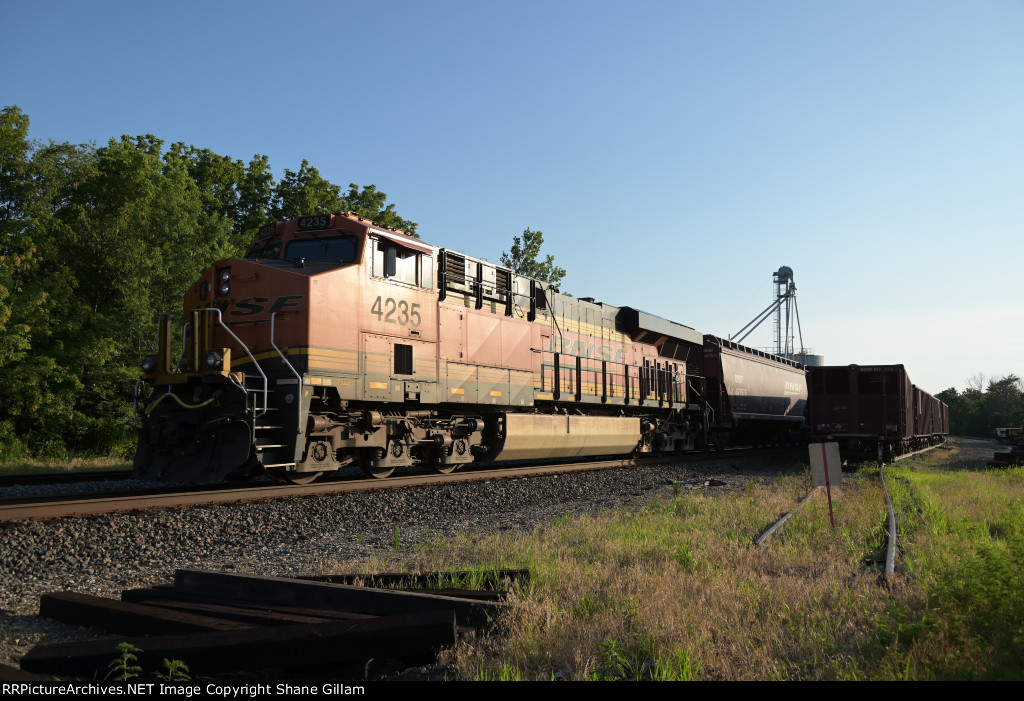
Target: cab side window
(389,260)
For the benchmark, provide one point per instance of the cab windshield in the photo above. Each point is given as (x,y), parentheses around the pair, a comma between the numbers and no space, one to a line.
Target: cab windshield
(337,249)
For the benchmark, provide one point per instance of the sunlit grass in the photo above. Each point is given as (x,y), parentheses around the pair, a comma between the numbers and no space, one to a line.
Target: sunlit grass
(964,547)
(40,467)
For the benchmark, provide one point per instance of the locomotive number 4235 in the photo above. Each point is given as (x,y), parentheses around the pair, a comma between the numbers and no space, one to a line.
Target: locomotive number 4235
(396,312)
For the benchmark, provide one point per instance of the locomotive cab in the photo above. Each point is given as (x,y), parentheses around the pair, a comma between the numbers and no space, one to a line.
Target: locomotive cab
(259,343)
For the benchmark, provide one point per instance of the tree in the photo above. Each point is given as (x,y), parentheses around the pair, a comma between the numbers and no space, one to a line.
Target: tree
(305,192)
(525,259)
(369,203)
(1004,402)
(227,188)
(96,243)
(974,412)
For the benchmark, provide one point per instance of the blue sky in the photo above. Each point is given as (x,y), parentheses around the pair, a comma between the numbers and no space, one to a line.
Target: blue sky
(674,154)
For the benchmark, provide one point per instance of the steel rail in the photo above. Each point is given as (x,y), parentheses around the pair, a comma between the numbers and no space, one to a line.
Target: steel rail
(918,452)
(890,549)
(91,504)
(788,515)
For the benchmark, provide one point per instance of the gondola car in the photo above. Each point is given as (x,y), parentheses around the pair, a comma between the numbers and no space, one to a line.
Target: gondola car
(873,411)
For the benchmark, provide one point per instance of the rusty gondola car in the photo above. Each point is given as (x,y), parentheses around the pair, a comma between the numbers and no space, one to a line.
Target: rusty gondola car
(873,411)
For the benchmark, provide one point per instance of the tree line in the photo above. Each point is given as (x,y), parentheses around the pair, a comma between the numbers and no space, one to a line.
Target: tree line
(97,241)
(981,408)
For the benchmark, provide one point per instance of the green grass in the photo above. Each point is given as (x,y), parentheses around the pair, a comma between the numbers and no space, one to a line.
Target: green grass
(964,547)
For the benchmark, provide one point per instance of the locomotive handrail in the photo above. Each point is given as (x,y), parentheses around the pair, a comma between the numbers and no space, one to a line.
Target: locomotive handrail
(172,395)
(220,322)
(135,398)
(554,318)
(274,346)
(184,331)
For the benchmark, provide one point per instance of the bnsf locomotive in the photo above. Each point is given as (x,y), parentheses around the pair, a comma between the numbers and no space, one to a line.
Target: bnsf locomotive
(337,341)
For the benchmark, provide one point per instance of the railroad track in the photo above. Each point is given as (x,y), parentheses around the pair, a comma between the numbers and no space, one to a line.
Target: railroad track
(62,505)
(890,550)
(68,477)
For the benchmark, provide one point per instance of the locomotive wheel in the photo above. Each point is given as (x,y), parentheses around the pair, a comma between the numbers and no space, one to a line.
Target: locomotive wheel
(365,464)
(439,467)
(299,478)
(302,478)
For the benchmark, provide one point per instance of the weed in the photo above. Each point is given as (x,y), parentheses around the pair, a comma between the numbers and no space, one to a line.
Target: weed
(613,664)
(678,666)
(124,668)
(397,539)
(630,594)
(175,671)
(73,464)
(507,673)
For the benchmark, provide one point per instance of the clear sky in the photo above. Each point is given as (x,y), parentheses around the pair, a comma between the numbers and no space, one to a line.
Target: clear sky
(674,153)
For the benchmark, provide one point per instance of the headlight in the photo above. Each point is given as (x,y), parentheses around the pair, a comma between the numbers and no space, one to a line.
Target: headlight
(224,282)
(149,365)
(214,360)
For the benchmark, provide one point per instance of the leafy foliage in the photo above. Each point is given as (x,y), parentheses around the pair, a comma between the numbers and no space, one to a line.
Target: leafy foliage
(174,671)
(96,243)
(524,258)
(125,667)
(974,412)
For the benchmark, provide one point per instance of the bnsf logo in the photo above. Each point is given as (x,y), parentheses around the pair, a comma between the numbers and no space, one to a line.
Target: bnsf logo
(794,387)
(252,306)
(586,350)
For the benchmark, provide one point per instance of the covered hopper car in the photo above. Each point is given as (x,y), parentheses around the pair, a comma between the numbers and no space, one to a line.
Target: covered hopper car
(754,397)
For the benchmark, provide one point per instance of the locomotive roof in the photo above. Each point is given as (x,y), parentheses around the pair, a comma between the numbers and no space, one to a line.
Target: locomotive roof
(343,222)
(627,319)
